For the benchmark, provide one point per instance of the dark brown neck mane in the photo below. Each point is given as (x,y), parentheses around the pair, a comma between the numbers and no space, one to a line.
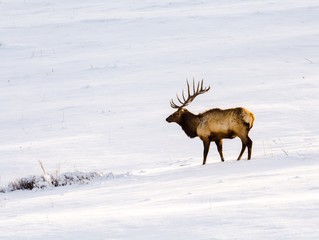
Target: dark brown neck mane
(189,123)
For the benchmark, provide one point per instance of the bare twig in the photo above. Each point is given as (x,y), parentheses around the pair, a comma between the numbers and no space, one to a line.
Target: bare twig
(309,60)
(46,177)
(42,167)
(281,146)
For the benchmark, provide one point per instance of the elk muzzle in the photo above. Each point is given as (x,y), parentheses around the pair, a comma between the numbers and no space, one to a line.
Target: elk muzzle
(169,119)
(175,116)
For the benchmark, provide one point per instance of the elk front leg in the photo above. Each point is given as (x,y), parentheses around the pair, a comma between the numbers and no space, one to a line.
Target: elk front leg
(206,143)
(219,144)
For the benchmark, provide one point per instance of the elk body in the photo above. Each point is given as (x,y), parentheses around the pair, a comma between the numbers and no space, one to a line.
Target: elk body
(213,125)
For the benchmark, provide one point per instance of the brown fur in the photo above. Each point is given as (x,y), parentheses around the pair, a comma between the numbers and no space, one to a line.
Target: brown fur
(215,125)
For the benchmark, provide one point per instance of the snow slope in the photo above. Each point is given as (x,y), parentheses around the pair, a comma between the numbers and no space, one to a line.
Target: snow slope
(85,86)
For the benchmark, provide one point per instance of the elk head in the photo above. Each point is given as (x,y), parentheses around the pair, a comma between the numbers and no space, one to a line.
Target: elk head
(181,111)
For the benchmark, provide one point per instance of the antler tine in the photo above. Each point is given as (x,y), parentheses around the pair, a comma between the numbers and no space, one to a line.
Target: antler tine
(188,88)
(179,99)
(194,90)
(206,89)
(173,105)
(183,95)
(202,89)
(198,86)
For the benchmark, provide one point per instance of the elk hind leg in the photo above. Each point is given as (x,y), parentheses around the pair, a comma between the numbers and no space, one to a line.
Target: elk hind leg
(246,142)
(219,144)
(250,146)
(242,150)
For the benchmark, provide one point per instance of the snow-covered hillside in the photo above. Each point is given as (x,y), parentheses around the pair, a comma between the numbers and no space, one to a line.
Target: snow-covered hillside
(85,86)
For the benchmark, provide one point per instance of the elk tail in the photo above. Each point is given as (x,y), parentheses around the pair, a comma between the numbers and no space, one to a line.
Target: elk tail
(249,119)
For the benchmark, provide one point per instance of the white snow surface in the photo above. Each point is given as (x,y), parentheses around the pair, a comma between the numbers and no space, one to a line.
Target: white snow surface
(85,86)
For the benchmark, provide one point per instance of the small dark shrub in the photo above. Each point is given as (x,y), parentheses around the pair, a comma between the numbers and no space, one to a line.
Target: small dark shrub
(23,184)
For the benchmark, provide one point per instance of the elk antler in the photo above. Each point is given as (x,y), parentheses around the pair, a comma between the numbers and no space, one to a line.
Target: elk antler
(196,91)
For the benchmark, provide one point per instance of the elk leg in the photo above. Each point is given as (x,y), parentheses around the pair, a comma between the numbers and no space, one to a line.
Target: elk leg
(219,144)
(206,149)
(249,145)
(242,150)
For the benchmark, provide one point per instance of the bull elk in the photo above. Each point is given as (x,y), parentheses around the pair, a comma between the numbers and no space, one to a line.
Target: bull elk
(212,125)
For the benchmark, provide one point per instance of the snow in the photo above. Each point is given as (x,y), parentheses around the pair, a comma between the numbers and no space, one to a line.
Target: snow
(85,87)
